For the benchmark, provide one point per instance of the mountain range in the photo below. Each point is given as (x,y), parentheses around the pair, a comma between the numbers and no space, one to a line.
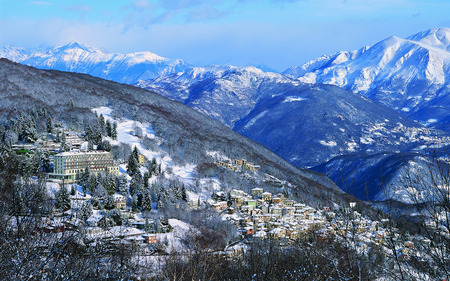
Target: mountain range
(409,75)
(370,106)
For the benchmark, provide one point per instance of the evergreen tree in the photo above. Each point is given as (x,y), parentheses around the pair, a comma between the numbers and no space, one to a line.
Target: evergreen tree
(177,192)
(105,145)
(64,146)
(109,202)
(146,178)
(136,153)
(58,136)
(101,123)
(90,146)
(116,216)
(183,193)
(72,190)
(92,184)
(108,128)
(85,212)
(132,167)
(134,204)
(44,162)
(136,184)
(49,125)
(122,185)
(146,201)
(62,200)
(100,191)
(114,131)
(160,204)
(84,180)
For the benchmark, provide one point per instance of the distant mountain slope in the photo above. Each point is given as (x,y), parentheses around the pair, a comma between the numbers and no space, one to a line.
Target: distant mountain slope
(310,124)
(185,133)
(75,57)
(409,75)
(225,93)
(381,176)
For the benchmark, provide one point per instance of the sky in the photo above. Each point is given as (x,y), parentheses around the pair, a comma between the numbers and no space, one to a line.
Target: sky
(274,33)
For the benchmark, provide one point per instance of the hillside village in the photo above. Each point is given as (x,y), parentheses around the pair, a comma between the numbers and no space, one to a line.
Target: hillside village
(257,215)
(113,184)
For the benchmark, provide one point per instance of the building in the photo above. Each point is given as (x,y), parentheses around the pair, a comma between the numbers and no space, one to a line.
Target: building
(71,165)
(266,196)
(141,159)
(256,191)
(120,201)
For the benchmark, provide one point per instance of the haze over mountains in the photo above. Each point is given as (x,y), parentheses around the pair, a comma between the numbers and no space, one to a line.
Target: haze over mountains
(375,95)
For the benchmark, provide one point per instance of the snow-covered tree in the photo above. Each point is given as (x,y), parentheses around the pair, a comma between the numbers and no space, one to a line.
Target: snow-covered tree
(132,167)
(62,200)
(146,201)
(114,131)
(122,185)
(109,202)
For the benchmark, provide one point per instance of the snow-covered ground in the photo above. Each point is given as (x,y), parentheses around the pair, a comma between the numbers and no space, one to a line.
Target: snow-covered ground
(126,134)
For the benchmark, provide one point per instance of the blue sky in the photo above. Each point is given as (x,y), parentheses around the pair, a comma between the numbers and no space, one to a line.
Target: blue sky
(277,33)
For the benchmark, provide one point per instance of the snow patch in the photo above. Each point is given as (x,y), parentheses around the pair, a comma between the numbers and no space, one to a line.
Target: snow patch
(328,143)
(294,99)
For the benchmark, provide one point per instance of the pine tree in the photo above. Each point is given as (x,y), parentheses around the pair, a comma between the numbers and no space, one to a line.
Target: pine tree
(49,125)
(72,190)
(108,128)
(136,184)
(101,123)
(85,212)
(136,153)
(146,178)
(84,180)
(114,131)
(146,201)
(122,185)
(90,146)
(160,204)
(183,193)
(132,167)
(62,200)
(134,204)
(109,202)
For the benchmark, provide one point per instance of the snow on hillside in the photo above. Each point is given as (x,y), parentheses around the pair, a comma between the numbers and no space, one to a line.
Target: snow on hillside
(126,134)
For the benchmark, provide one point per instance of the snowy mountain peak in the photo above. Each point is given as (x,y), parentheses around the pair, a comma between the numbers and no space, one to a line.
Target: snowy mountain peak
(439,37)
(77,57)
(404,74)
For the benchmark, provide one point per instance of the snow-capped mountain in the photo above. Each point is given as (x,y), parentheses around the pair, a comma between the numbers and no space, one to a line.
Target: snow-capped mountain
(409,75)
(225,93)
(305,124)
(75,57)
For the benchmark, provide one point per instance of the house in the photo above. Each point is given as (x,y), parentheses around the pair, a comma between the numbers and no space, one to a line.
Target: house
(120,201)
(141,159)
(260,235)
(240,162)
(277,233)
(150,238)
(251,203)
(246,209)
(276,200)
(289,202)
(266,196)
(257,191)
(220,206)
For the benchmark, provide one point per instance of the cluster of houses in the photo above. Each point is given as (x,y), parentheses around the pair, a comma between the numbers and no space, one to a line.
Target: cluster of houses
(239,165)
(265,215)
